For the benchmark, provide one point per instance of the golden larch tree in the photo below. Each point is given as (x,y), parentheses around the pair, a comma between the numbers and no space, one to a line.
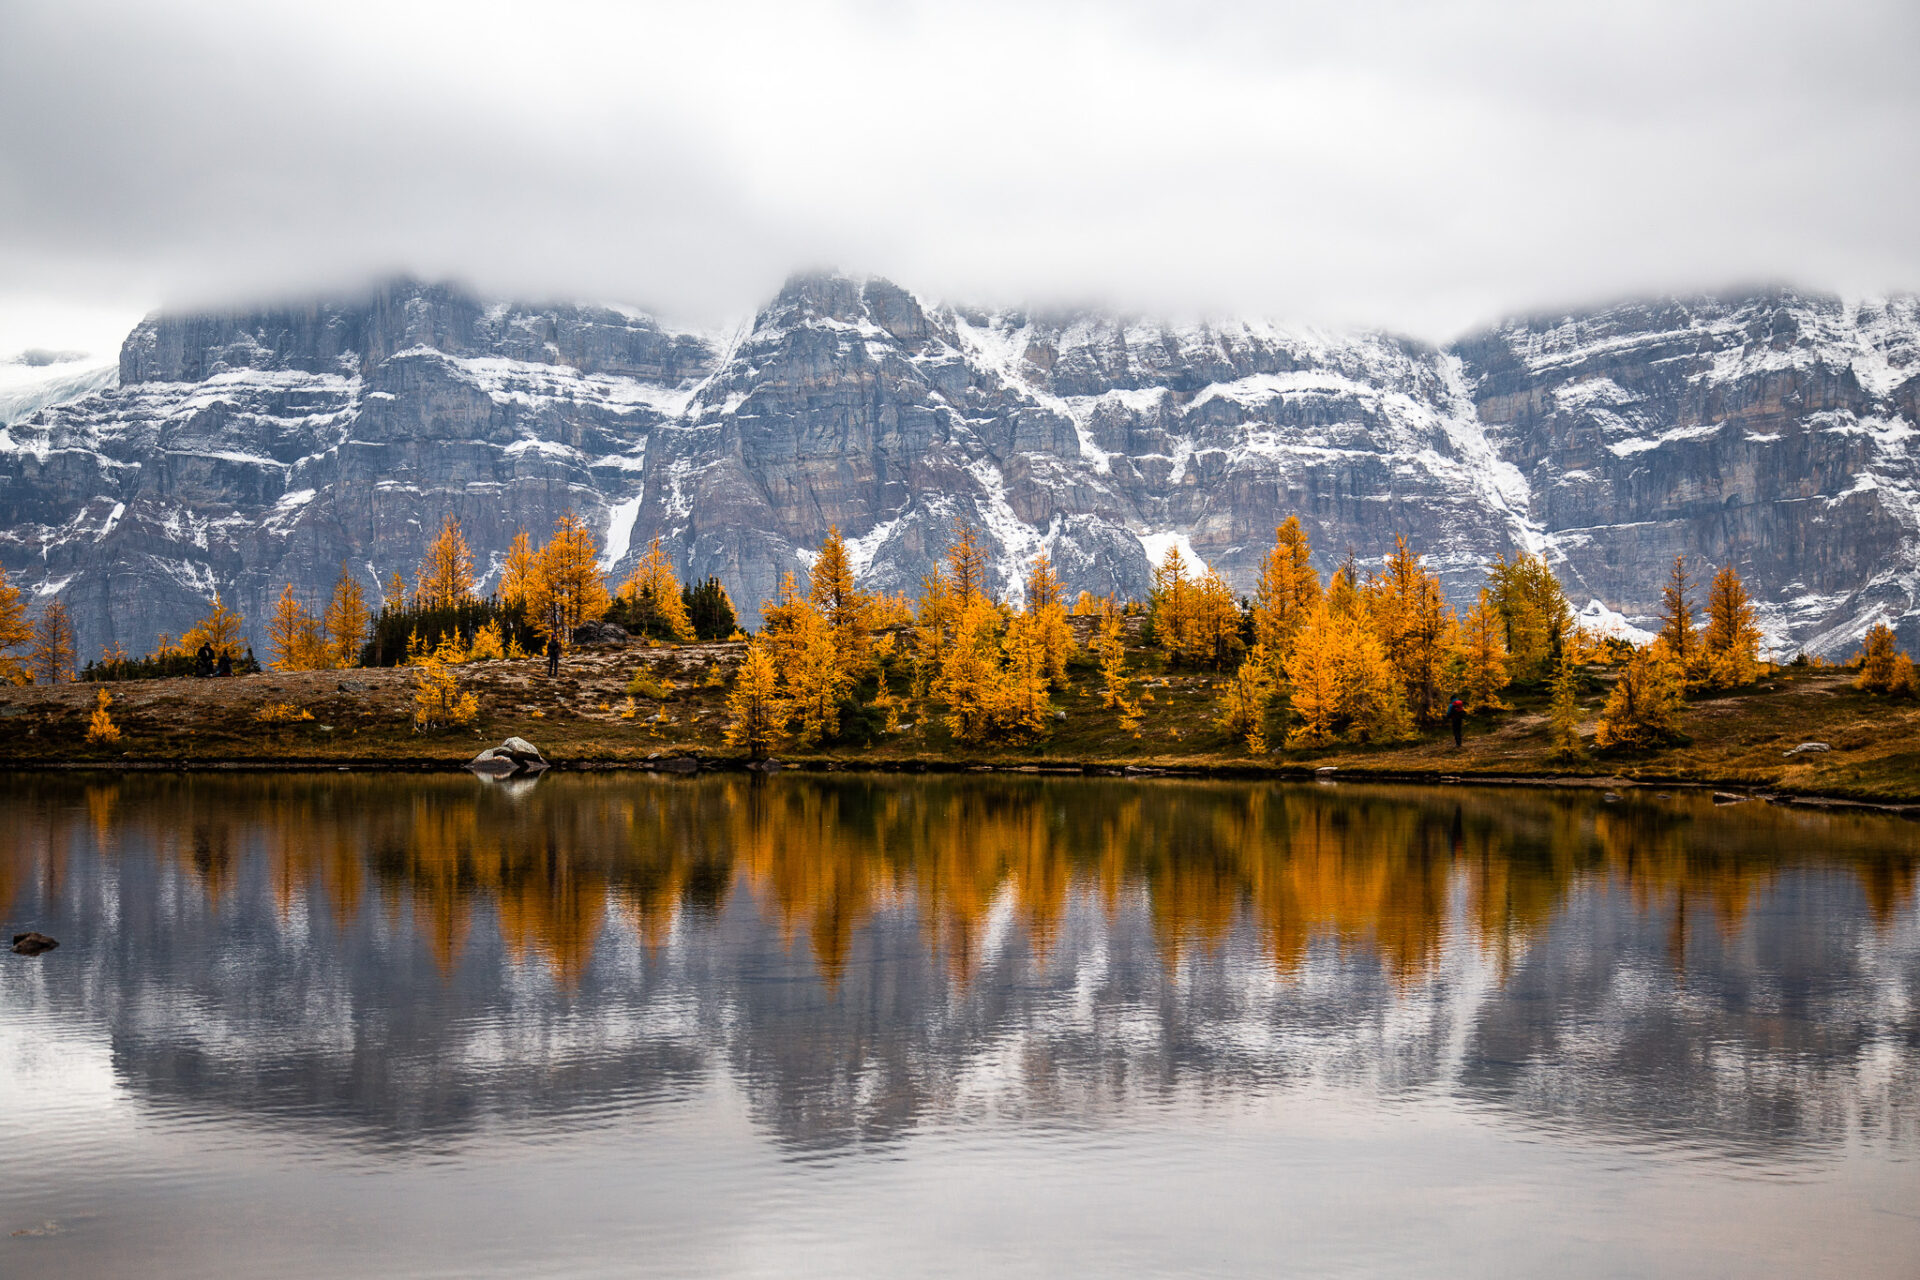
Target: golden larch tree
(1484,654)
(438,700)
(1644,708)
(755,718)
(966,563)
(1243,708)
(969,679)
(346,620)
(1676,617)
(567,587)
(1730,645)
(394,599)
(932,627)
(101,730)
(1411,619)
(1563,715)
(1534,610)
(15,632)
(1021,707)
(1173,608)
(1288,589)
(1216,639)
(1340,677)
(219,630)
(1315,676)
(516,572)
(848,611)
(653,590)
(53,650)
(815,681)
(294,637)
(1884,667)
(1045,605)
(445,577)
(1110,644)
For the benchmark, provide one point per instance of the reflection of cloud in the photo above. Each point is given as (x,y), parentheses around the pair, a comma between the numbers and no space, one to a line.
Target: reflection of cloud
(56,1076)
(401,958)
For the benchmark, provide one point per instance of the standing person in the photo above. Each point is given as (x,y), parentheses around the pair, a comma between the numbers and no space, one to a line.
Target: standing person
(1457,717)
(553,656)
(203,660)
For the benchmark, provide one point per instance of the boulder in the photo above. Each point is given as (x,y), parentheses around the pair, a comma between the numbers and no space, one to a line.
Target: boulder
(1807,747)
(1728,797)
(515,755)
(679,764)
(765,766)
(601,633)
(32,944)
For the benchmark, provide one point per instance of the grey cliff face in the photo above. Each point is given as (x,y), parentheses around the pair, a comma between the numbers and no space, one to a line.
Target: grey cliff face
(242,451)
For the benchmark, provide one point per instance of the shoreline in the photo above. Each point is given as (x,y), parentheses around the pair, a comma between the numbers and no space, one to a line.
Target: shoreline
(666,764)
(638,708)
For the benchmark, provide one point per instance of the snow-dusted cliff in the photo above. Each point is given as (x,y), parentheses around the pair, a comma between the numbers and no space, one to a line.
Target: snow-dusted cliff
(245,450)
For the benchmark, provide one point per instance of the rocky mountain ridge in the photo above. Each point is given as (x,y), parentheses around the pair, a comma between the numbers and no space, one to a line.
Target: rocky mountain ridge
(243,450)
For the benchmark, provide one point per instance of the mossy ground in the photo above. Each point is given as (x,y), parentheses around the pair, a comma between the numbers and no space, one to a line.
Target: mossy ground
(362,718)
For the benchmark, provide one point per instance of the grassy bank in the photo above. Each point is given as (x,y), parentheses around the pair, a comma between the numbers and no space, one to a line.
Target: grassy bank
(362,718)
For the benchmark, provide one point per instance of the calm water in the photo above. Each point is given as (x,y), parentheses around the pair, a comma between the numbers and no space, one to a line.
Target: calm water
(344,1025)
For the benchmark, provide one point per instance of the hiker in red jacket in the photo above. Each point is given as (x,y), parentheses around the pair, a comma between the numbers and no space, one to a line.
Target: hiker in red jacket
(1457,717)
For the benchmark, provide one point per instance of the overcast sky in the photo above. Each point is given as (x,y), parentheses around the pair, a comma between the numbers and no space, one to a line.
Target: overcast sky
(1426,167)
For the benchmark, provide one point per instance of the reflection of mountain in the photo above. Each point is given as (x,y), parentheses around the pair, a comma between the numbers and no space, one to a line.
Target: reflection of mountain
(409,957)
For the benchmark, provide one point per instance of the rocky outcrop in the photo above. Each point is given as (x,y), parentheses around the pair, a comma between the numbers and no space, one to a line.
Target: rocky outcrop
(602,632)
(246,450)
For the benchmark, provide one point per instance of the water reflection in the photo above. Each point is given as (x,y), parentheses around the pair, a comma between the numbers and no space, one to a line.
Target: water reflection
(403,959)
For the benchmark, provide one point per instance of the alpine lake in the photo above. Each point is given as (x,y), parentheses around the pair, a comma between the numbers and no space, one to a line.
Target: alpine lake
(327,1024)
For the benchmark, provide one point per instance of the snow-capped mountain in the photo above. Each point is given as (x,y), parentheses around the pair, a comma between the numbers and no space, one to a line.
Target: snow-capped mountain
(245,450)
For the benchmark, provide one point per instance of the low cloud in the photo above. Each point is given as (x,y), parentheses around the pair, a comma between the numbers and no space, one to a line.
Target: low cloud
(1422,167)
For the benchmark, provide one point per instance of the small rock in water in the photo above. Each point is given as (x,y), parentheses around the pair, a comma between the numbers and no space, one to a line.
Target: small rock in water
(1728,797)
(32,944)
(1612,797)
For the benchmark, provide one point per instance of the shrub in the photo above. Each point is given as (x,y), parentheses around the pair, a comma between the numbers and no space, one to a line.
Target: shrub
(102,730)
(645,684)
(438,702)
(280,713)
